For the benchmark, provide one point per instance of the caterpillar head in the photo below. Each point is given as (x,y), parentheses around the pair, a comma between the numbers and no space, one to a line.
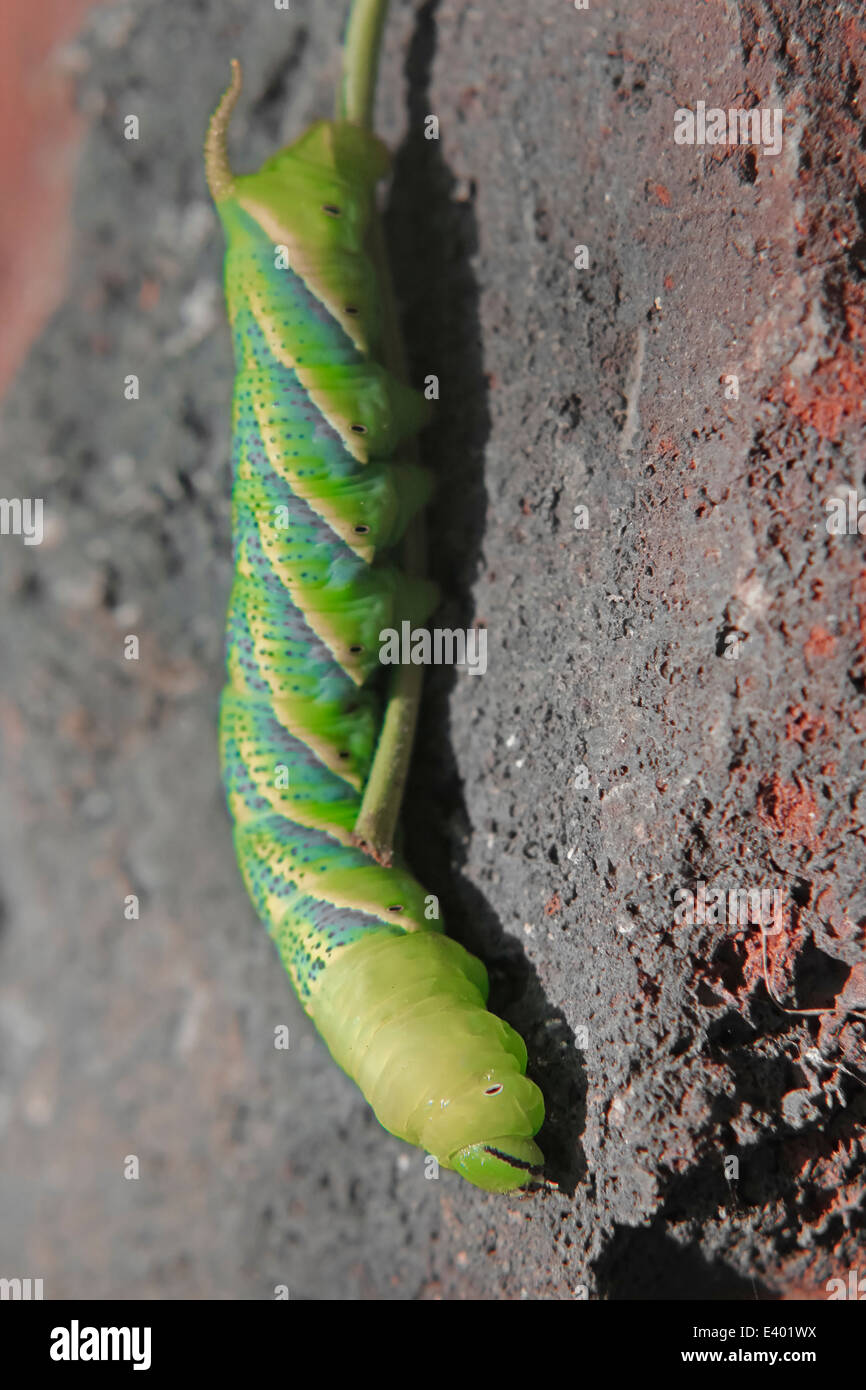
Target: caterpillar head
(507,1107)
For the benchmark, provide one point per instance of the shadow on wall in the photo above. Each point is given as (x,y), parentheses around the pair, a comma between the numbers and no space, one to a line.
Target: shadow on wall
(649,1265)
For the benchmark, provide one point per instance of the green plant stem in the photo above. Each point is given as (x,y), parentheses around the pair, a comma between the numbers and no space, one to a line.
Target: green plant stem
(376,826)
(361,61)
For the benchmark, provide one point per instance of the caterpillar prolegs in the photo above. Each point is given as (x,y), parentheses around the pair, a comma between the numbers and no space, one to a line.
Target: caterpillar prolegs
(324,488)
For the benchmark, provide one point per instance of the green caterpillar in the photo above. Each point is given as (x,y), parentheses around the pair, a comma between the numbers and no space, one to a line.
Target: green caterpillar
(324,486)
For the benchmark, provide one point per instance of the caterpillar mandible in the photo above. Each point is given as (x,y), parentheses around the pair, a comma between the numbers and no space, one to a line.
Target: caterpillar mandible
(325,486)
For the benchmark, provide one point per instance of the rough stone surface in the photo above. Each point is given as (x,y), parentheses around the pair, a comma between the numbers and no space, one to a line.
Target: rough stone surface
(613,756)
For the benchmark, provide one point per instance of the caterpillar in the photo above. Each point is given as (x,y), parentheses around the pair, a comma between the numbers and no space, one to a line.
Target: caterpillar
(326,487)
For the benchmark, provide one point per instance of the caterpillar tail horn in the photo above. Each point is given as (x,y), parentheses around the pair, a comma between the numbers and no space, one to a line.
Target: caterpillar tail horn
(220,179)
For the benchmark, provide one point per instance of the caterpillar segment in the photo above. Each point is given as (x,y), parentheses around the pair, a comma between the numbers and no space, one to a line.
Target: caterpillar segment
(322,495)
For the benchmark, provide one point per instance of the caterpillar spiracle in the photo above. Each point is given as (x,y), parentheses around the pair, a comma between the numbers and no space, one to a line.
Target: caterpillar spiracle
(324,488)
